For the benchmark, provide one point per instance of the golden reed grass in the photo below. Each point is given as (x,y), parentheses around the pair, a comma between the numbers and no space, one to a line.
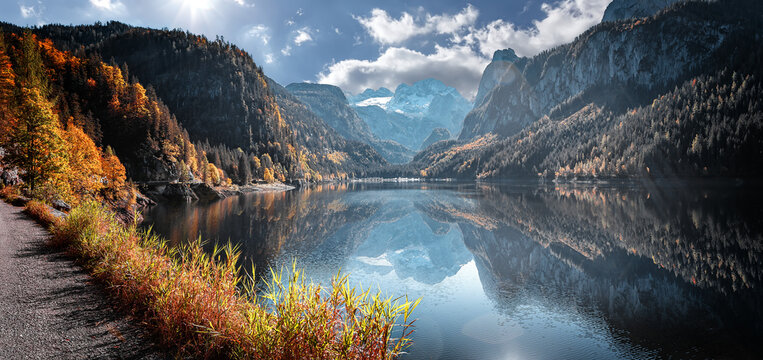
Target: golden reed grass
(200,304)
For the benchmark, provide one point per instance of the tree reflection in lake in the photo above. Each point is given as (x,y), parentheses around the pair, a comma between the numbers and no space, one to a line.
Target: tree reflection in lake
(522,271)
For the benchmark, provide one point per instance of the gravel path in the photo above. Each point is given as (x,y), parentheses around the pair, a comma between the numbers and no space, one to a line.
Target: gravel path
(50,309)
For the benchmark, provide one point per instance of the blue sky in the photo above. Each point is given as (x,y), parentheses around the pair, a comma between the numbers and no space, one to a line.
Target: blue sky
(353,44)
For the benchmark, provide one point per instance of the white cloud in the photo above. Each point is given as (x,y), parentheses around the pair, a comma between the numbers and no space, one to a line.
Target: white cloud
(469,47)
(457,66)
(269,58)
(29,11)
(111,6)
(289,22)
(389,31)
(561,25)
(300,12)
(286,51)
(261,32)
(337,31)
(447,24)
(303,36)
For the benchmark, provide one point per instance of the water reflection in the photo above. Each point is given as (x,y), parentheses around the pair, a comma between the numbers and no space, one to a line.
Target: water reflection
(522,271)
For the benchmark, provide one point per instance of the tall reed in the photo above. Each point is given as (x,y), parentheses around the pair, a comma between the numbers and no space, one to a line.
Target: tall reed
(200,304)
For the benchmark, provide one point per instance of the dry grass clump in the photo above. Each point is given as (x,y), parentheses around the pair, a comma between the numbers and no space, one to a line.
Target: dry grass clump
(199,303)
(40,212)
(12,196)
(8,191)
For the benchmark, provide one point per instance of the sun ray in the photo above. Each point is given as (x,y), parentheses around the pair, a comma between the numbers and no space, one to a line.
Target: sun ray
(193,12)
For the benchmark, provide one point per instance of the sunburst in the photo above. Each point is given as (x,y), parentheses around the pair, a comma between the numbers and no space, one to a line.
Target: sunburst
(194,10)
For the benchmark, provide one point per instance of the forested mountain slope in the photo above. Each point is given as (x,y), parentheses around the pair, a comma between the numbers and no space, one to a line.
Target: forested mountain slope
(673,95)
(314,133)
(626,9)
(216,91)
(86,94)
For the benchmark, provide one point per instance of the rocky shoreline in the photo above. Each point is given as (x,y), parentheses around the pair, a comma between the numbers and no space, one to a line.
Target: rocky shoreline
(192,192)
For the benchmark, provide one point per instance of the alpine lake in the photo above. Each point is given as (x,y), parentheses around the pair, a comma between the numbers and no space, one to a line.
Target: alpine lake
(520,271)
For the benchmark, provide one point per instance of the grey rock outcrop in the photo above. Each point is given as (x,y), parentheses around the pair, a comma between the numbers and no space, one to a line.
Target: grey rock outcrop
(206,192)
(179,192)
(627,9)
(61,205)
(10,177)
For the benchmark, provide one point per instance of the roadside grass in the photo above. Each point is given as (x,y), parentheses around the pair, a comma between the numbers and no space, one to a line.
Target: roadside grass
(200,304)
(38,211)
(12,195)
(7,191)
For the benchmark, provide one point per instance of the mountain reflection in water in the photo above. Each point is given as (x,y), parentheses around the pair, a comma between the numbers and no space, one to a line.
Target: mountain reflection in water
(516,271)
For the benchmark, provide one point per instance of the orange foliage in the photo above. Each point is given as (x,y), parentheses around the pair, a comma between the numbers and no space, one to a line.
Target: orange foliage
(7,85)
(113,171)
(84,165)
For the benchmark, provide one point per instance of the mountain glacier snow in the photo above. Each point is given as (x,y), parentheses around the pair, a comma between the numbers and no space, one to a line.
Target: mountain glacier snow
(412,112)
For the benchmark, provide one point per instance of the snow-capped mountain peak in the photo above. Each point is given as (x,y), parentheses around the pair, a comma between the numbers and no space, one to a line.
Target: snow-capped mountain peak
(415,99)
(412,112)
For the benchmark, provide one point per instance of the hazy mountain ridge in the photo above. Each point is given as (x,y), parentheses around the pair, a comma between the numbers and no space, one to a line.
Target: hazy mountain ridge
(412,112)
(311,131)
(438,134)
(330,104)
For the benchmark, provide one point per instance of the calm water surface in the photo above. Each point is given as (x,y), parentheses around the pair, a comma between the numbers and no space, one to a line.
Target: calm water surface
(522,272)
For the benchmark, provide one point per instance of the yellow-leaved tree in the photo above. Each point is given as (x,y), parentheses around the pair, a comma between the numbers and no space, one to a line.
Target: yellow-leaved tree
(35,143)
(113,172)
(84,163)
(268,176)
(7,88)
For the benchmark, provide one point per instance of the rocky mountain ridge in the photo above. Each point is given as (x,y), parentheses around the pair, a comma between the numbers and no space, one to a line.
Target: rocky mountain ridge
(643,55)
